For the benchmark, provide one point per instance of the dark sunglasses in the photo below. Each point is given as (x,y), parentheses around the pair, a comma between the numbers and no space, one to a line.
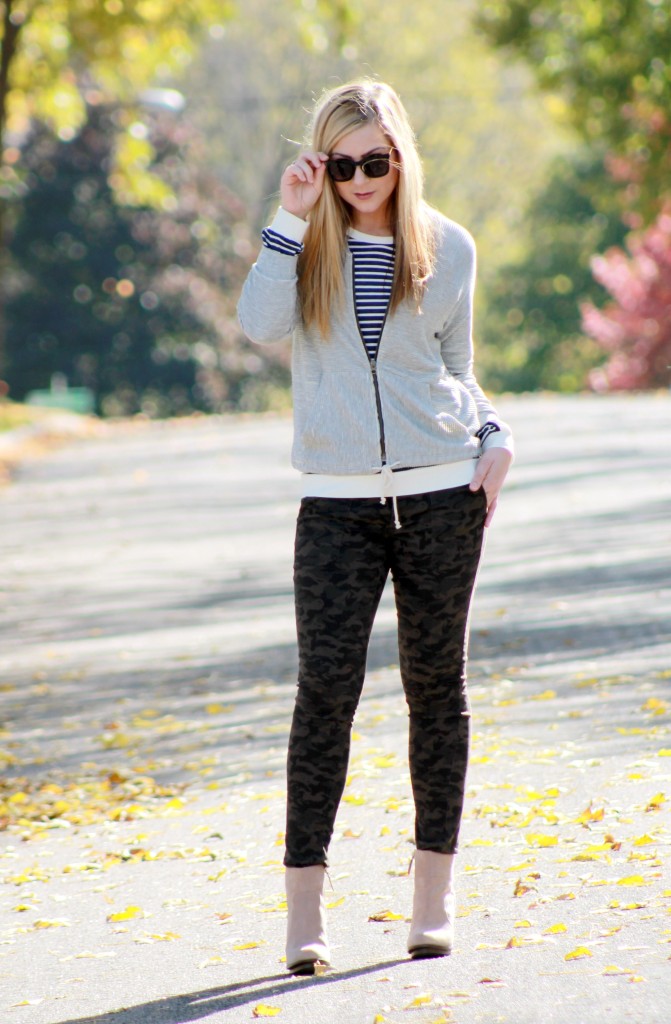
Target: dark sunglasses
(342,168)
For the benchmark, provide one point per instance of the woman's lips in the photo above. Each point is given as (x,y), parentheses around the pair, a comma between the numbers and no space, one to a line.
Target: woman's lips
(363,195)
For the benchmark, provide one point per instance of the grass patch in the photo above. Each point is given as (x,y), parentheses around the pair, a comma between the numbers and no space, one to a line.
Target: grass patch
(13,415)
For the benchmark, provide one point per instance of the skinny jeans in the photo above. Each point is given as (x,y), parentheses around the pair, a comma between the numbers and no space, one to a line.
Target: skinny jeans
(344,550)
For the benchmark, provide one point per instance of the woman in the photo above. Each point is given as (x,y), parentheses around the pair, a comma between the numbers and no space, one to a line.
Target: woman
(402,457)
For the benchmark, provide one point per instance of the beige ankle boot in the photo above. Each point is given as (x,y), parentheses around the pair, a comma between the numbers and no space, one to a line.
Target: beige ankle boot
(432,928)
(306,925)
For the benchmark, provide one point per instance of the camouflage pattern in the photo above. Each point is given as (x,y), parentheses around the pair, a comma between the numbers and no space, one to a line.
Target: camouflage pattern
(344,550)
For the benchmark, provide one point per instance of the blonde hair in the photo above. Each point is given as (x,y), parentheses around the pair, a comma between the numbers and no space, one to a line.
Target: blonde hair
(320,265)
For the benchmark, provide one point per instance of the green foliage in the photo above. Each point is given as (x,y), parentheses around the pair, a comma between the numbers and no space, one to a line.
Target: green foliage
(608,63)
(57,56)
(532,331)
(133,303)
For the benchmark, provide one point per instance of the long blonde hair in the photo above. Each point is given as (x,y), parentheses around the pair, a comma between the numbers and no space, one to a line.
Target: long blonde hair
(320,265)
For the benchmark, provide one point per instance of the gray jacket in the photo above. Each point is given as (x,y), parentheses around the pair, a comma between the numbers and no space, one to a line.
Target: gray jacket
(418,404)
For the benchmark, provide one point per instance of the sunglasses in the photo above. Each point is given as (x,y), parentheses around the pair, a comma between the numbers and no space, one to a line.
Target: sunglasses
(342,168)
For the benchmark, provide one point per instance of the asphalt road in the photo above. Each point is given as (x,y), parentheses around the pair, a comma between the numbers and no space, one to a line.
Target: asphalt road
(147,670)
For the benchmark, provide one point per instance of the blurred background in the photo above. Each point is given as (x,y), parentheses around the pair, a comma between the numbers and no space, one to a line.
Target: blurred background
(142,143)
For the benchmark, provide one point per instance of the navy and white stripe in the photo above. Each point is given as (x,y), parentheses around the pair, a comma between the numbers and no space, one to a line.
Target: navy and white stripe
(280,243)
(373,280)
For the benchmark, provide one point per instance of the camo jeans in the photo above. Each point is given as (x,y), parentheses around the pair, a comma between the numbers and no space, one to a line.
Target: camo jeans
(344,550)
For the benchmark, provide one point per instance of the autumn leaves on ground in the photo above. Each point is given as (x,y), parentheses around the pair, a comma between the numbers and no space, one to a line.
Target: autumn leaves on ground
(146,693)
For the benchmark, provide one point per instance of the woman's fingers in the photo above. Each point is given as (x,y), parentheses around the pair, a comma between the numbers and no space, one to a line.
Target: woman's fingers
(305,166)
(302,183)
(490,474)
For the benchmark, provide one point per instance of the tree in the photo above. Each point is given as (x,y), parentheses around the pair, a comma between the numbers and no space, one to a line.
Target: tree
(532,332)
(635,328)
(135,303)
(607,64)
(58,55)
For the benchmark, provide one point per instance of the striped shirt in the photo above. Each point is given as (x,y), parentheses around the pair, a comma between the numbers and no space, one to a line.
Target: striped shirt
(373,272)
(373,263)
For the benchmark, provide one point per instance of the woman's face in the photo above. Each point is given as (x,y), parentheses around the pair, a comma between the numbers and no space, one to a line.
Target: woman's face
(367,197)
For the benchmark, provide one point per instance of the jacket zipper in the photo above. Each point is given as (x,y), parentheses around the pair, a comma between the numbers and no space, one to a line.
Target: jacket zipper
(378,403)
(373,369)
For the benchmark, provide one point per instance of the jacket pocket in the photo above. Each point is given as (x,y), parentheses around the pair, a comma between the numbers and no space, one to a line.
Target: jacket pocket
(337,428)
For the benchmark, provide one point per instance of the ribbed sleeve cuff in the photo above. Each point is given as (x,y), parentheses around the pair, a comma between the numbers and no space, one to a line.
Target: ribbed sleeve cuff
(496,434)
(289,226)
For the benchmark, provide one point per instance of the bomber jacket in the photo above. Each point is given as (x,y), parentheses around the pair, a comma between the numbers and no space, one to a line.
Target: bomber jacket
(417,404)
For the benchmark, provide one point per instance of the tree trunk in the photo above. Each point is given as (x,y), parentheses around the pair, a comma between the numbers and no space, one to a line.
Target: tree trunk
(10,32)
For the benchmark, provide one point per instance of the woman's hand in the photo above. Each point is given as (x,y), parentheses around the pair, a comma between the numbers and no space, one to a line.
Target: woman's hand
(302,183)
(493,466)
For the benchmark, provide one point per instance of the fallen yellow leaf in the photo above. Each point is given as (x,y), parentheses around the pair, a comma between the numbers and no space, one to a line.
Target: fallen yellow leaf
(214,961)
(546,695)
(578,953)
(633,880)
(386,915)
(555,929)
(423,1000)
(644,840)
(263,1010)
(248,945)
(385,761)
(125,915)
(591,813)
(655,705)
(540,839)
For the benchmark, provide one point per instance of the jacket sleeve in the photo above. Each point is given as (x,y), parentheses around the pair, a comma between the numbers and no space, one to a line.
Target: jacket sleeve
(456,340)
(268,304)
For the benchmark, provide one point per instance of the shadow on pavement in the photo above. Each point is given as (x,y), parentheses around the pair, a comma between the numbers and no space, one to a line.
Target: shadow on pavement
(197,1005)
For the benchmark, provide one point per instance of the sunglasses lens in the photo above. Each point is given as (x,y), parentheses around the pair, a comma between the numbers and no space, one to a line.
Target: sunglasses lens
(376,167)
(341,170)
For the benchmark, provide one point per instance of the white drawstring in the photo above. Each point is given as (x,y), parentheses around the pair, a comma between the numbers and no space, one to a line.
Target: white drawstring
(387,475)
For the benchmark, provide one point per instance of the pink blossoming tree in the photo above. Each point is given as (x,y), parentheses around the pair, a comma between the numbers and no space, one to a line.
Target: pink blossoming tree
(634,328)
